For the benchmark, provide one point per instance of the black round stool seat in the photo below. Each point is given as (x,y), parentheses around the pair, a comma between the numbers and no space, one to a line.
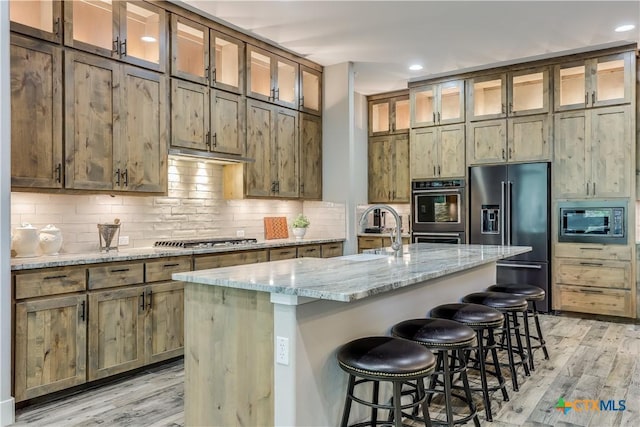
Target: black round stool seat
(386,357)
(435,333)
(529,292)
(472,315)
(498,300)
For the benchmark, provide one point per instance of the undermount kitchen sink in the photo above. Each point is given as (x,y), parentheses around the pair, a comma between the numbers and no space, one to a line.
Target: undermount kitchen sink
(363,257)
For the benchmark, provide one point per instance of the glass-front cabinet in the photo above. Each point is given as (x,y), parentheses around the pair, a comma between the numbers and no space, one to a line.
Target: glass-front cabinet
(594,82)
(528,92)
(310,90)
(41,19)
(134,31)
(189,50)
(389,115)
(437,104)
(227,62)
(487,97)
(272,78)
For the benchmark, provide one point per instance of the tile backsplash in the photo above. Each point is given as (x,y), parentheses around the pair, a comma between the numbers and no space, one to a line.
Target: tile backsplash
(193,207)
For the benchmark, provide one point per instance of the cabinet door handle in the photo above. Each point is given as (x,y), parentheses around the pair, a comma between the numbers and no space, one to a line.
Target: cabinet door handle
(591,249)
(302,187)
(123,48)
(587,188)
(510,153)
(277,94)
(171,265)
(593,98)
(83,309)
(125,176)
(277,186)
(272,96)
(591,291)
(59,173)
(438,116)
(503,158)
(118,177)
(119,270)
(434,170)
(61,276)
(511,107)
(434,117)
(594,188)
(438,170)
(586,98)
(302,100)
(56,27)
(149,299)
(504,109)
(207,140)
(215,139)
(141,298)
(213,77)
(116,46)
(593,264)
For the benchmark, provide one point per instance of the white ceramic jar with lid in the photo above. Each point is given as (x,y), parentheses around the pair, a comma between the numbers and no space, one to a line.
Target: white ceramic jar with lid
(50,240)
(25,240)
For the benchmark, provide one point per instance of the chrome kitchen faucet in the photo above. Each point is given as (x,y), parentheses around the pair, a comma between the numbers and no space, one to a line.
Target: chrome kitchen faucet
(396,244)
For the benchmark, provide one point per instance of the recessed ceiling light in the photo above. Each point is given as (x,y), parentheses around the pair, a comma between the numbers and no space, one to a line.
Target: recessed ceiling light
(623,28)
(148,39)
(415,67)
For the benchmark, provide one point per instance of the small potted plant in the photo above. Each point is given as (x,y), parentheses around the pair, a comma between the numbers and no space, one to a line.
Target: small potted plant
(299,226)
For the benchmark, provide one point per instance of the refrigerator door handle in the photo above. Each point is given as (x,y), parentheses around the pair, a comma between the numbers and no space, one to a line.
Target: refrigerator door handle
(529,266)
(509,216)
(502,213)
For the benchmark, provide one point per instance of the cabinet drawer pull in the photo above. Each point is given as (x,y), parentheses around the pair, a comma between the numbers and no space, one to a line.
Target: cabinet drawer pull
(61,276)
(591,249)
(120,270)
(593,264)
(213,78)
(141,297)
(593,98)
(586,98)
(591,291)
(149,299)
(59,173)
(171,265)
(83,306)
(594,188)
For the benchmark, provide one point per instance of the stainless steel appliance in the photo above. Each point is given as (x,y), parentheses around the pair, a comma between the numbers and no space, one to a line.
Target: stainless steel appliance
(593,222)
(438,211)
(210,242)
(509,205)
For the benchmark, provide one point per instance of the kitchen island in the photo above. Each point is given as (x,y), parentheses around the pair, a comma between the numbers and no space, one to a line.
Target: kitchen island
(260,339)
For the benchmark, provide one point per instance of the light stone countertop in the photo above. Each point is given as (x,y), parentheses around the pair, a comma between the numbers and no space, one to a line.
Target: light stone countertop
(64,259)
(353,277)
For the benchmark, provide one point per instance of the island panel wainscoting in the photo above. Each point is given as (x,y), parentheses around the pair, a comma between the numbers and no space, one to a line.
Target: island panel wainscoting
(234,315)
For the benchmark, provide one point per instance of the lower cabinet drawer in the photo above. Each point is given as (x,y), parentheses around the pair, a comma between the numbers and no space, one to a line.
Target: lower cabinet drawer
(230,259)
(160,270)
(310,251)
(282,253)
(330,250)
(611,302)
(601,274)
(52,281)
(117,274)
(369,243)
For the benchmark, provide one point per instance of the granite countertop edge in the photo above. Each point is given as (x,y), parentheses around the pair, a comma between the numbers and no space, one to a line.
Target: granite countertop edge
(71,259)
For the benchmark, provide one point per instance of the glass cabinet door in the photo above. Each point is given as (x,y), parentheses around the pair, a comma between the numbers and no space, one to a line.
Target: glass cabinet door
(450,102)
(379,117)
(612,80)
(92,26)
(401,117)
(310,90)
(528,92)
(286,83)
(41,19)
(143,35)
(259,82)
(423,101)
(190,50)
(487,97)
(570,86)
(227,62)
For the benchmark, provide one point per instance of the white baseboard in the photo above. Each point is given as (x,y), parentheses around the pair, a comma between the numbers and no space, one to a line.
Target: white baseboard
(7,412)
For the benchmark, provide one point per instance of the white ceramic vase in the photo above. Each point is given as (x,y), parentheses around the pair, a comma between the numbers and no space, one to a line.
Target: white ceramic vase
(50,240)
(299,233)
(25,241)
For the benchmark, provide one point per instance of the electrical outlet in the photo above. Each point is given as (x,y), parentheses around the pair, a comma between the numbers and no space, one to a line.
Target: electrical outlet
(282,350)
(123,240)
(239,233)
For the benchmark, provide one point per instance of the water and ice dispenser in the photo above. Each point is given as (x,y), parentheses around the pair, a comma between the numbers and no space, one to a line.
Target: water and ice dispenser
(490,219)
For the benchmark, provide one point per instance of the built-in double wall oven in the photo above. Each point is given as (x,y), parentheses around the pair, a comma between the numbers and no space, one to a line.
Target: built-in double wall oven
(438,211)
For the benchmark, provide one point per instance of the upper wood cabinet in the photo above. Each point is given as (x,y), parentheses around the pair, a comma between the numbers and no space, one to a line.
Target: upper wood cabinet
(592,153)
(389,169)
(36,97)
(389,115)
(116,123)
(272,78)
(438,152)
(487,97)
(132,31)
(528,92)
(594,82)
(41,19)
(310,157)
(437,104)
(310,90)
(206,56)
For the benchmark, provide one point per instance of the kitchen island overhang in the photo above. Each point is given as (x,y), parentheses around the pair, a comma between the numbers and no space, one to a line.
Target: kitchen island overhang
(234,315)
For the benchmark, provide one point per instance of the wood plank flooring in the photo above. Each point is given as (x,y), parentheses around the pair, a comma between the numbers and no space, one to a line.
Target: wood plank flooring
(590,359)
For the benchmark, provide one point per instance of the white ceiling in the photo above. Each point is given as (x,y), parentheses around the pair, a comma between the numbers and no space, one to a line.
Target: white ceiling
(382,38)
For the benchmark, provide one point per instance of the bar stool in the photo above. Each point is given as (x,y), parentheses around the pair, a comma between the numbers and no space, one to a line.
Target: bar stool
(510,305)
(532,294)
(394,360)
(450,340)
(484,321)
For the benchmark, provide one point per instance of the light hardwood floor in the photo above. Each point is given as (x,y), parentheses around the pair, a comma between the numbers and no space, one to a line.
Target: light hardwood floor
(590,359)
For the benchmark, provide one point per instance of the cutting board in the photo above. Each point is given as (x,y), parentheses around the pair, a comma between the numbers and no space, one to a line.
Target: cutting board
(275,227)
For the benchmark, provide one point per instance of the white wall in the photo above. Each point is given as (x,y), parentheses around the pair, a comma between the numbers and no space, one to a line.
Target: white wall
(6,401)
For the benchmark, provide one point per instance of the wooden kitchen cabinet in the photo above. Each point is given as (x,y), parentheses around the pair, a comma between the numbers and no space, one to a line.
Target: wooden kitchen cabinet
(594,82)
(50,345)
(272,78)
(204,262)
(309,251)
(377,242)
(310,90)
(592,153)
(389,169)
(487,142)
(594,279)
(330,250)
(190,116)
(487,97)
(131,31)
(164,320)
(115,130)
(116,331)
(437,152)
(40,19)
(277,254)
(528,92)
(389,115)
(272,140)
(437,104)
(228,123)
(36,97)
(114,275)
(310,157)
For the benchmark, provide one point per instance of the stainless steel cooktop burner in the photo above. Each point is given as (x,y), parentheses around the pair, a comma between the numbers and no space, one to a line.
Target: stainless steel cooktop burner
(205,242)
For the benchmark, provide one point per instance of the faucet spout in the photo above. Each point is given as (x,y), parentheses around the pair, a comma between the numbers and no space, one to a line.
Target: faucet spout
(396,244)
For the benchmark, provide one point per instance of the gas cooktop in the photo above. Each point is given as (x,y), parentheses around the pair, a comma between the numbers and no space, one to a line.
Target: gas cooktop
(205,242)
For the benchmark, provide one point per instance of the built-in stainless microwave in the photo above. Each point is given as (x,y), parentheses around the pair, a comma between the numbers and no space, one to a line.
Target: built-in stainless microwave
(593,222)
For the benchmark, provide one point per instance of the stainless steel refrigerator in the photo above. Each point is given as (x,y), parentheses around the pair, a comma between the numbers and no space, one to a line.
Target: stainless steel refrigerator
(509,205)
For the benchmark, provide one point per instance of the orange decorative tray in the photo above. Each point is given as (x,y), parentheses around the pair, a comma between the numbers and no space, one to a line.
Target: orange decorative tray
(275,228)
